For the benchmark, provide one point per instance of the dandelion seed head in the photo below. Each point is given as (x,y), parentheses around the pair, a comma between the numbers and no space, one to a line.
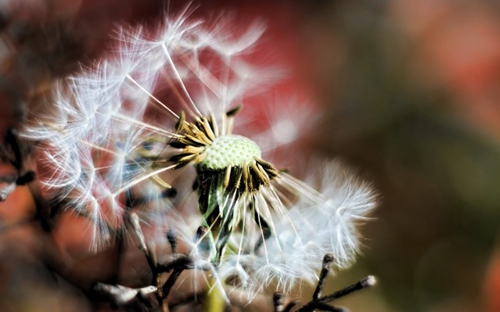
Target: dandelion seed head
(230,150)
(164,103)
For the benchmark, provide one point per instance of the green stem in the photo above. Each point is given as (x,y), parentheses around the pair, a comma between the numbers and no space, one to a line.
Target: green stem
(215,299)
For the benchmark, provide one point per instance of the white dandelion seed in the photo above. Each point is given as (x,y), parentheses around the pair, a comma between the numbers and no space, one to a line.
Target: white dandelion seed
(169,100)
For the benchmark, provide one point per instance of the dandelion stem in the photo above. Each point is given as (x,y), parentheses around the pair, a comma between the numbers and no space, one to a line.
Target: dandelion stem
(215,301)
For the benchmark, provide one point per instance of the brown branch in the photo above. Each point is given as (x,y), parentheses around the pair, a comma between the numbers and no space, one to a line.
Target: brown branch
(320,302)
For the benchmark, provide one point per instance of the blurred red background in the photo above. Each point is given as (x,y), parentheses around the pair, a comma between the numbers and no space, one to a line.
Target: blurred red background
(409,94)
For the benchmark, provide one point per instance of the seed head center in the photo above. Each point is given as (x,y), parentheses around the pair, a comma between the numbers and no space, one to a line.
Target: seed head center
(230,150)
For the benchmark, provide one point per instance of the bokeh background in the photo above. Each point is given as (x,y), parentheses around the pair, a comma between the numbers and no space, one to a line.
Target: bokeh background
(409,96)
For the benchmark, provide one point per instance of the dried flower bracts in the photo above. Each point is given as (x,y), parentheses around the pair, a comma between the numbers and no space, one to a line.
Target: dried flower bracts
(229,168)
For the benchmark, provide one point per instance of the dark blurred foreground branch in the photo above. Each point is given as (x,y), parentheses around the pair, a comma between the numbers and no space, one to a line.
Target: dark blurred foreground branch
(121,295)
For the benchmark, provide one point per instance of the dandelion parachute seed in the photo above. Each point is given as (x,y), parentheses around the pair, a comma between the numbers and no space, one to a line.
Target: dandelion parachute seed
(112,136)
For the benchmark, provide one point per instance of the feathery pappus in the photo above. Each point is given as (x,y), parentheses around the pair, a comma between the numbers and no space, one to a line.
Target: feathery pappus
(170,99)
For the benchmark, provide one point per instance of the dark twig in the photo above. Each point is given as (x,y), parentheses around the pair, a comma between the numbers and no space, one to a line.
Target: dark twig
(321,302)
(179,263)
(167,287)
(278,302)
(122,295)
(149,252)
(134,221)
(13,148)
(201,237)
(172,240)
(11,140)
(24,177)
(290,306)
(326,307)
(327,262)
(364,283)
(7,190)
